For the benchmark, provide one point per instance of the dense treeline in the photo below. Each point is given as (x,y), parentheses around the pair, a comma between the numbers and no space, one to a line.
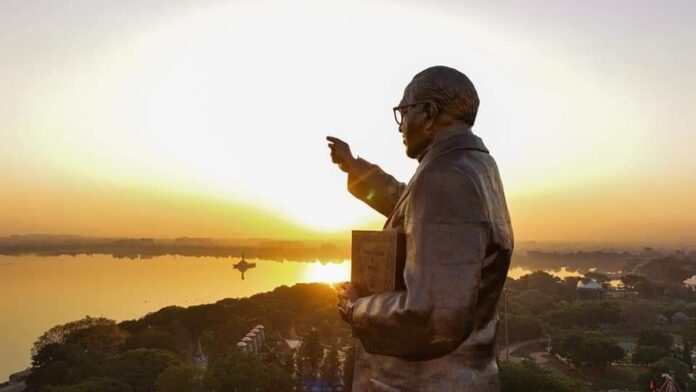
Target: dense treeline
(527,376)
(648,326)
(191,349)
(194,348)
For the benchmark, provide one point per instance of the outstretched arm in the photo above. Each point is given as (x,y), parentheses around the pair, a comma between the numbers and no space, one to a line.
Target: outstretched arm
(446,236)
(376,188)
(366,181)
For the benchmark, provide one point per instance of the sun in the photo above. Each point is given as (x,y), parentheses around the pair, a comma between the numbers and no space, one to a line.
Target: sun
(328,273)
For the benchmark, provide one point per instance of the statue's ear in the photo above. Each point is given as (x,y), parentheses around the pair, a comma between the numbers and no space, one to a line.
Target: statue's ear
(430,109)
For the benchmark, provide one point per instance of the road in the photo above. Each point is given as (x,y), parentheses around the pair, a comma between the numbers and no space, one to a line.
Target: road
(517,346)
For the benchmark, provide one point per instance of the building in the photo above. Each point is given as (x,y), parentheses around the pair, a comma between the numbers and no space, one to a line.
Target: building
(690,283)
(589,289)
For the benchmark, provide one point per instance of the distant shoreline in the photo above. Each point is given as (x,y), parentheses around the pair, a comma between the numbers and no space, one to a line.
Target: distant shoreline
(144,248)
(581,256)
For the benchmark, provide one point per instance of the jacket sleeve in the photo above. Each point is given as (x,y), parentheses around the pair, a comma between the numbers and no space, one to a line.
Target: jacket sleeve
(378,189)
(446,235)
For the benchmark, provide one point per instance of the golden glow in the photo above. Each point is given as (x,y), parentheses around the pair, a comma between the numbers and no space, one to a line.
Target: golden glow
(328,272)
(210,120)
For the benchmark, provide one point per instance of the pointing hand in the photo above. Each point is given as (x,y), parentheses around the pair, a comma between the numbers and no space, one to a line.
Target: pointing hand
(340,153)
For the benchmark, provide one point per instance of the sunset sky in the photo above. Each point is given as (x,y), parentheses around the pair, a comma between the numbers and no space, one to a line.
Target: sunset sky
(207,118)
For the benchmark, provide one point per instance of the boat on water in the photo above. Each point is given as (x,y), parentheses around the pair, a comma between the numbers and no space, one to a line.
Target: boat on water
(243,266)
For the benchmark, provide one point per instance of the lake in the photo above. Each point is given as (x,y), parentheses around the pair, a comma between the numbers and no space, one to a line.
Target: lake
(41,292)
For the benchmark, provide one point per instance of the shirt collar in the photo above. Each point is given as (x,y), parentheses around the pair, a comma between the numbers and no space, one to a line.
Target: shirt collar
(453,137)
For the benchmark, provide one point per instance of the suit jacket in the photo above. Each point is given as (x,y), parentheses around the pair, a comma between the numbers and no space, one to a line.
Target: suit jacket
(439,333)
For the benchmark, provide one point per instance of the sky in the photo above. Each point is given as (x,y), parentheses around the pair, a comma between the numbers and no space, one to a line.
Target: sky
(208,118)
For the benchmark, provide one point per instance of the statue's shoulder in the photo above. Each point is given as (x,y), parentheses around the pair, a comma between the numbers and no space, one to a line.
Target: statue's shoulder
(447,180)
(456,166)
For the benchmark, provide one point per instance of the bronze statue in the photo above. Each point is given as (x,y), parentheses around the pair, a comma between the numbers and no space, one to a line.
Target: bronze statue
(439,333)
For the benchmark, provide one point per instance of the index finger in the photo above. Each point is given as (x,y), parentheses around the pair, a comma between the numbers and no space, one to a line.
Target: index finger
(334,139)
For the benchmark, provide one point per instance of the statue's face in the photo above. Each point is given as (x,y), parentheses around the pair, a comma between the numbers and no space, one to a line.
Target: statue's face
(414,128)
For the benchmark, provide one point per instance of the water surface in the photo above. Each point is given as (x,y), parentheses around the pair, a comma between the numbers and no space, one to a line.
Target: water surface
(38,293)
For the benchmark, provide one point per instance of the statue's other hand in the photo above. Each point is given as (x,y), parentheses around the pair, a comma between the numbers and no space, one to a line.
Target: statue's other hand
(347,294)
(340,153)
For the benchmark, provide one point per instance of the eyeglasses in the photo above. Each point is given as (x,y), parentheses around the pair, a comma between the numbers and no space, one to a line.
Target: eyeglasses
(399,111)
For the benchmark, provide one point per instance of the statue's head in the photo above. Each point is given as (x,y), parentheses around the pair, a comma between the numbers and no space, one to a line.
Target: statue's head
(436,98)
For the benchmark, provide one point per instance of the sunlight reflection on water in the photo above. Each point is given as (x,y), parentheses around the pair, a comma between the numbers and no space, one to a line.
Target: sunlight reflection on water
(518,272)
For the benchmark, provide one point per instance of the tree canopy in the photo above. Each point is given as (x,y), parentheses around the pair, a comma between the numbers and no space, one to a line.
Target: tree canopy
(242,372)
(589,348)
(527,376)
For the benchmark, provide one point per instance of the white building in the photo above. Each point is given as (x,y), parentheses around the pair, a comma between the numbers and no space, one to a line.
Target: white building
(589,290)
(690,283)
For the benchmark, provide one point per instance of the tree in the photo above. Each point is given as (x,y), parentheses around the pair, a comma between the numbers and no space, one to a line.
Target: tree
(525,328)
(640,312)
(181,378)
(94,384)
(590,347)
(311,353)
(686,355)
(241,372)
(569,288)
(348,367)
(287,362)
(140,368)
(688,331)
(527,376)
(667,365)
(161,338)
(70,353)
(648,354)
(223,337)
(536,301)
(198,318)
(330,367)
(630,281)
(60,333)
(668,312)
(690,309)
(589,314)
(539,280)
(564,344)
(301,370)
(655,338)
(596,349)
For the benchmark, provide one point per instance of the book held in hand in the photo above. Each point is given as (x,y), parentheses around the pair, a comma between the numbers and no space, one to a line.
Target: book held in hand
(377,261)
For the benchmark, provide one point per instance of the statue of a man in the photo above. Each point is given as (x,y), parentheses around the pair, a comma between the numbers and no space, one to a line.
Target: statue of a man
(439,333)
